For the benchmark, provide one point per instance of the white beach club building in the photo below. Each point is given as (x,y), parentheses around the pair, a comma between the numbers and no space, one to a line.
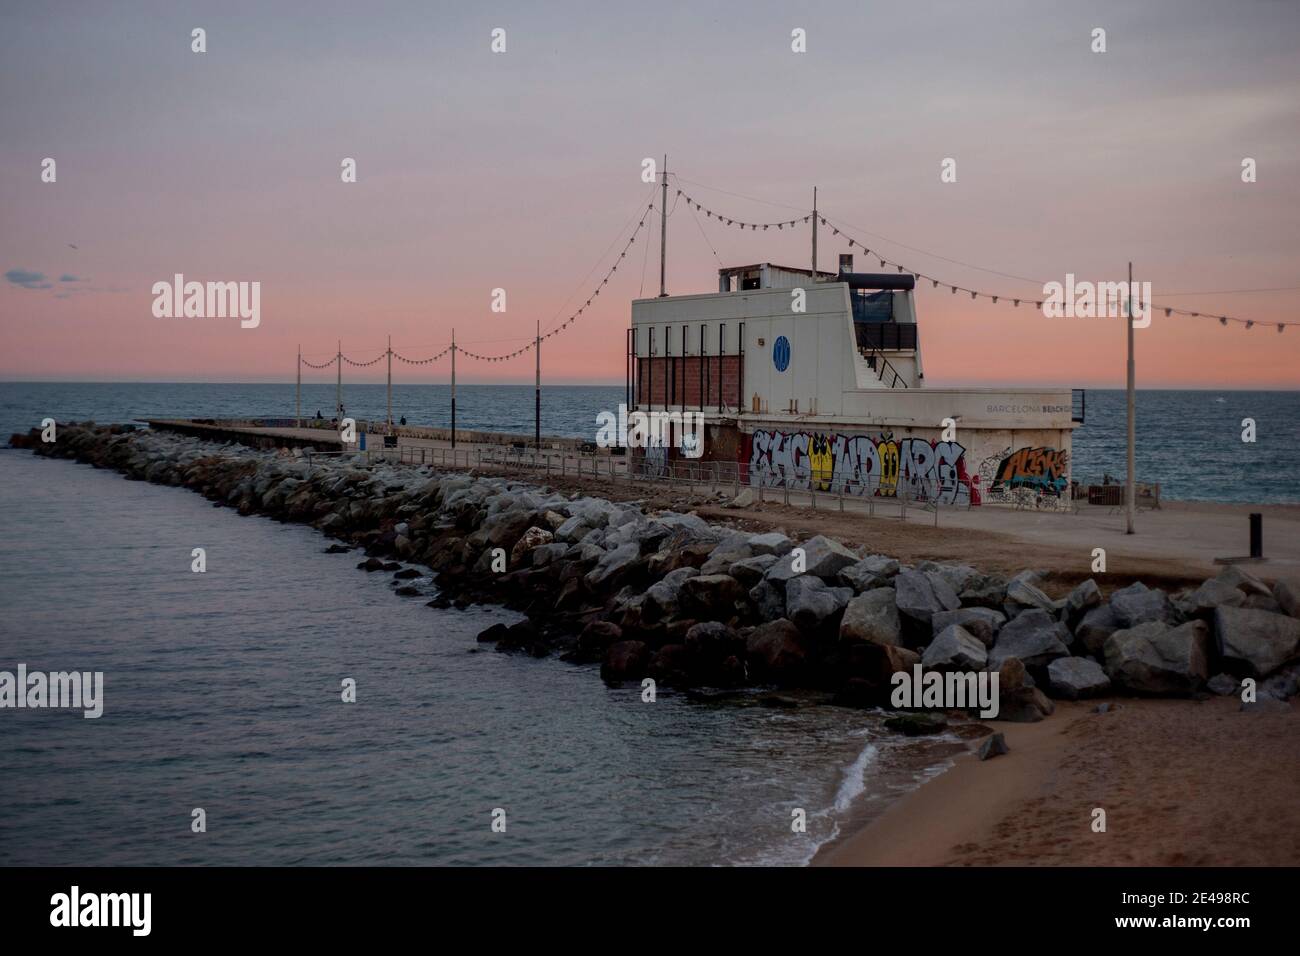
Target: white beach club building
(816,381)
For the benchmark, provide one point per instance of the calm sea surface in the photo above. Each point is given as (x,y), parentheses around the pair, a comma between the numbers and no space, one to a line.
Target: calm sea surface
(222,691)
(1189,441)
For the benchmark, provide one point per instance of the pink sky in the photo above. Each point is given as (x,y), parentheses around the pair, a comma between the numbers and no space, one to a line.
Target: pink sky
(518,170)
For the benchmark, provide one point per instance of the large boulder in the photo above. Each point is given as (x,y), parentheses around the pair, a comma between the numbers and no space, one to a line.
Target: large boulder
(1213,594)
(983,623)
(1287,596)
(671,666)
(1033,637)
(1023,593)
(1138,604)
(1076,677)
(873,571)
(1019,701)
(919,599)
(768,600)
(596,639)
(826,557)
(625,660)
(988,590)
(1245,582)
(871,617)
(612,562)
(771,543)
(663,598)
(1255,643)
(712,596)
(734,547)
(749,571)
(1085,596)
(958,576)
(809,603)
(1154,658)
(778,652)
(1095,627)
(713,641)
(955,649)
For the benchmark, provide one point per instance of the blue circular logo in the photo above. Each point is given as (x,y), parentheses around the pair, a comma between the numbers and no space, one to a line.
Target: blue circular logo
(781,353)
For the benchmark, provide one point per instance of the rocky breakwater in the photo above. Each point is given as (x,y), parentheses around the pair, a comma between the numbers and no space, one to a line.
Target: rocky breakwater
(692,605)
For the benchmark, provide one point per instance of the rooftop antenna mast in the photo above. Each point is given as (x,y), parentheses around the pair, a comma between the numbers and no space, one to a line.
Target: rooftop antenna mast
(663,232)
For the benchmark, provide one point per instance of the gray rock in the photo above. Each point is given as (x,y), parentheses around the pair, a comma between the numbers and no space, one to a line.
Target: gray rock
(547,553)
(1095,627)
(1138,604)
(1033,637)
(954,649)
(1024,593)
(573,529)
(873,571)
(1085,596)
(958,576)
(809,602)
(989,590)
(827,557)
(711,596)
(993,746)
(742,500)
(768,600)
(1076,677)
(1255,643)
(1287,596)
(751,570)
(777,652)
(1283,685)
(983,623)
(1261,602)
(917,723)
(918,600)
(771,543)
(781,571)
(663,598)
(611,562)
(1154,658)
(1223,685)
(872,618)
(1244,581)
(1265,704)
(625,660)
(1212,594)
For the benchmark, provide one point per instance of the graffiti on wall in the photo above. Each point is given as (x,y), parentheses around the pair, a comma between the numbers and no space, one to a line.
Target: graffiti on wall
(925,470)
(1014,476)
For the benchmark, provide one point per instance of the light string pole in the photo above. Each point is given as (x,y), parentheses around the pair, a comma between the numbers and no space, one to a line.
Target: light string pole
(663,234)
(453,388)
(1130,482)
(537,392)
(297,392)
(338,388)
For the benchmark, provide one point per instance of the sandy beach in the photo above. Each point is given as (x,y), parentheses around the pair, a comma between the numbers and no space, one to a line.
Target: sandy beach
(1183,783)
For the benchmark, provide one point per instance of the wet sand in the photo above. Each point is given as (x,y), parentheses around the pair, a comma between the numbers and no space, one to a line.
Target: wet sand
(1183,783)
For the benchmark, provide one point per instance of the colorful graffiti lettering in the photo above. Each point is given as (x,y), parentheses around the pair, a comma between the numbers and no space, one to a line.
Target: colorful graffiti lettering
(1026,471)
(857,464)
